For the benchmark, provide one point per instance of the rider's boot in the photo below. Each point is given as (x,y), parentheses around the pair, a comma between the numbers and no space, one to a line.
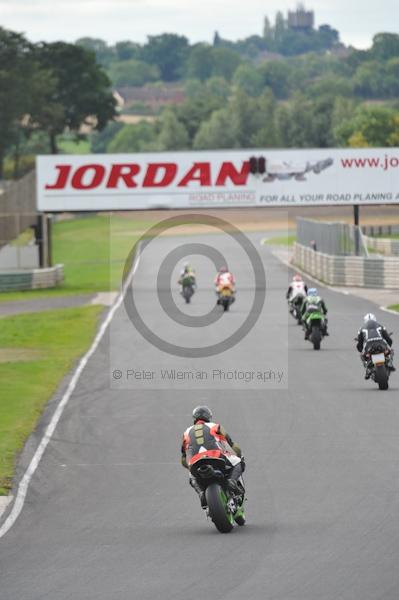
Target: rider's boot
(194,483)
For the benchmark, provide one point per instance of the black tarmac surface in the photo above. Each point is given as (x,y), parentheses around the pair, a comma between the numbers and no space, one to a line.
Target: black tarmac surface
(109,514)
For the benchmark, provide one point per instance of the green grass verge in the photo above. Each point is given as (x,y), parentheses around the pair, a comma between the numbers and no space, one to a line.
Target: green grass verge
(36,351)
(284,240)
(394,307)
(70,146)
(93,251)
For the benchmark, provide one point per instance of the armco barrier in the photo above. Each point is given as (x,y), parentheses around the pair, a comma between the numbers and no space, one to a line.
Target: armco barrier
(31,279)
(373,272)
(383,245)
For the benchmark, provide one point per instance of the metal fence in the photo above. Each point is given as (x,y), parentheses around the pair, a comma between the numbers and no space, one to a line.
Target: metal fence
(373,272)
(389,247)
(380,230)
(336,239)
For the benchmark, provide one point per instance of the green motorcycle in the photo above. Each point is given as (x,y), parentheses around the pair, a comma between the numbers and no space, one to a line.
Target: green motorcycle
(224,508)
(315,323)
(188,287)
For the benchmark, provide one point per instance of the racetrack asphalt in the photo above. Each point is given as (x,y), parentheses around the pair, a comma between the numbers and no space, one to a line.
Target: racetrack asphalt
(109,514)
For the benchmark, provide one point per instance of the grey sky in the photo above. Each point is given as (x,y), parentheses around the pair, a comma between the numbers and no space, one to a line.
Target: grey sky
(114,20)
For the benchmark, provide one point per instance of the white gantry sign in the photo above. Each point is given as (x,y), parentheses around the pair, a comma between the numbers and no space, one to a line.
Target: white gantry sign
(222,178)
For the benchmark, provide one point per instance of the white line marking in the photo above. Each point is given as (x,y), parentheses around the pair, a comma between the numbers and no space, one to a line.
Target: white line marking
(389,310)
(34,463)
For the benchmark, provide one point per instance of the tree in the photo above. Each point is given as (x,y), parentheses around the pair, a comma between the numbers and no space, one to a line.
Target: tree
(133,138)
(18,71)
(276,75)
(225,61)
(173,135)
(248,79)
(295,123)
(244,118)
(195,111)
(217,87)
(200,62)
(101,139)
(376,126)
(169,52)
(331,86)
(385,46)
(265,134)
(104,53)
(267,30)
(217,132)
(126,50)
(81,95)
(279,30)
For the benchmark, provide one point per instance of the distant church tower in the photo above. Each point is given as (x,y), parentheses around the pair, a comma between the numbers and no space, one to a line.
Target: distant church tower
(301,19)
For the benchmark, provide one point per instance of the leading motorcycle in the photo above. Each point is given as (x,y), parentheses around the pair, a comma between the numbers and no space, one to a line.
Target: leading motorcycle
(226,296)
(188,287)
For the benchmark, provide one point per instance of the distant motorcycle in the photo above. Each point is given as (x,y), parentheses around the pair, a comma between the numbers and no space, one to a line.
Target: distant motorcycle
(377,357)
(188,288)
(224,507)
(225,297)
(294,307)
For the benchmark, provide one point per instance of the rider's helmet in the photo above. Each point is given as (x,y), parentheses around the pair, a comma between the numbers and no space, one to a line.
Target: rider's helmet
(297,277)
(223,269)
(312,292)
(202,413)
(186,267)
(369,317)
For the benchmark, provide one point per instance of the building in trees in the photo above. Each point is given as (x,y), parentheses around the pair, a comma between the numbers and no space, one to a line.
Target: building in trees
(300,19)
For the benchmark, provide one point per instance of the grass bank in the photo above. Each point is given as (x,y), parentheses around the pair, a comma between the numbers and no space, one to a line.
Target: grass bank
(283,240)
(93,250)
(36,351)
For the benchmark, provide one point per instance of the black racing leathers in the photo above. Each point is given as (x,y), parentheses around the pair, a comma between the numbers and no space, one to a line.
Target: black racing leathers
(370,332)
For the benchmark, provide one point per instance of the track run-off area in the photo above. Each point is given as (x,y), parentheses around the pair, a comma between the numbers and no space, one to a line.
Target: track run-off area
(109,514)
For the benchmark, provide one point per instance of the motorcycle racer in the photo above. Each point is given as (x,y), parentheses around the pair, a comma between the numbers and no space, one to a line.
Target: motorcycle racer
(206,439)
(296,288)
(187,273)
(372,331)
(224,277)
(313,302)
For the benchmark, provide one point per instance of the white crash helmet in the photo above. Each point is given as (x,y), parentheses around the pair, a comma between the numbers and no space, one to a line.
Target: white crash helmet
(369,317)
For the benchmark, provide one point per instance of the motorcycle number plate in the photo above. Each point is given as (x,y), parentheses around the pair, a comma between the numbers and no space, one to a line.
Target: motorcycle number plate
(378,359)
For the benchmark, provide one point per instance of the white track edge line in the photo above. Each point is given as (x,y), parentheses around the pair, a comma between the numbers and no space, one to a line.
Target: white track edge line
(20,496)
(389,310)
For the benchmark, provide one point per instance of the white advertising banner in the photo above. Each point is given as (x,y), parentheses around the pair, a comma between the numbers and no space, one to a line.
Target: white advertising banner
(220,178)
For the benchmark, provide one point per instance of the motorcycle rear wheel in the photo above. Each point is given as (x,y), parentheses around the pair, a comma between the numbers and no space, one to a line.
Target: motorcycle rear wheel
(381,377)
(222,520)
(316,337)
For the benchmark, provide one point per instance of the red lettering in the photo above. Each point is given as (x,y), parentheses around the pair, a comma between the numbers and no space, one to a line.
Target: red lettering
(167,174)
(228,171)
(125,172)
(62,178)
(203,176)
(78,177)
